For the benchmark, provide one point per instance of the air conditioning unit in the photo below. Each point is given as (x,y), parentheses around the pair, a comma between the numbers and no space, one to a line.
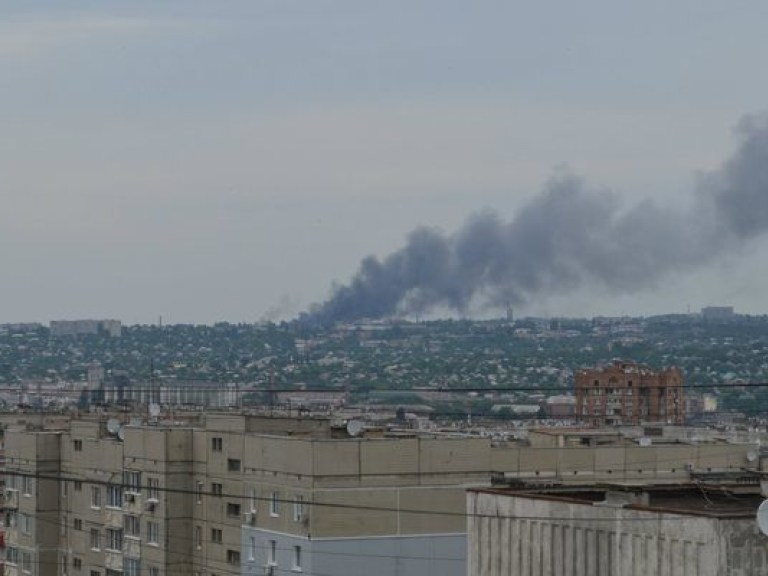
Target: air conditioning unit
(269,570)
(250,518)
(150,506)
(130,497)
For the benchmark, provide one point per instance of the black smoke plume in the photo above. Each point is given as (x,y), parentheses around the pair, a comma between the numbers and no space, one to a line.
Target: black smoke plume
(567,236)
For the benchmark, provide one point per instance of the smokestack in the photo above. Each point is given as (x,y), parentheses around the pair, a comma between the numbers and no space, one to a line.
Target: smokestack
(566,237)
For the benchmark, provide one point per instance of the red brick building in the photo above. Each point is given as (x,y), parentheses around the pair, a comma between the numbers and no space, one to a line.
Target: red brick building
(629,393)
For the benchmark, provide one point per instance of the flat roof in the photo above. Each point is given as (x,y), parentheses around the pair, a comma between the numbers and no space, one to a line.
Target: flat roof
(699,499)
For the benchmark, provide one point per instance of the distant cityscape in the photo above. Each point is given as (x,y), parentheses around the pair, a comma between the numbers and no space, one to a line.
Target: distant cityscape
(454,369)
(445,448)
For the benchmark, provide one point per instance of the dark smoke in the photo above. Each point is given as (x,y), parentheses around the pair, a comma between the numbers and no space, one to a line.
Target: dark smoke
(567,236)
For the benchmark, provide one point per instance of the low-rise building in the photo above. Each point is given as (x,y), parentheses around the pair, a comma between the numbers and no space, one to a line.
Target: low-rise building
(620,530)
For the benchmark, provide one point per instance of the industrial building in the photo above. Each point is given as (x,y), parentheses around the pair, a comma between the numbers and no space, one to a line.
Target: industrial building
(618,530)
(629,393)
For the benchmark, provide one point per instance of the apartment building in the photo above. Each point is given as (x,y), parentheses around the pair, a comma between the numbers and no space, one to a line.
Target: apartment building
(216,494)
(31,503)
(109,327)
(629,393)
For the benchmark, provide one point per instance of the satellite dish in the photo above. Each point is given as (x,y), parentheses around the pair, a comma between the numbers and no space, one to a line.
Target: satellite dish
(154,410)
(121,433)
(762,517)
(113,426)
(355,427)
(751,456)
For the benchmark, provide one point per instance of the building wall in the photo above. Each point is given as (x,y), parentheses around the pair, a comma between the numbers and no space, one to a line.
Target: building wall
(33,505)
(617,462)
(545,537)
(423,555)
(627,393)
(227,474)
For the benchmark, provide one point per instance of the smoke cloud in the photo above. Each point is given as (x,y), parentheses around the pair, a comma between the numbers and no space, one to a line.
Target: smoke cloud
(566,237)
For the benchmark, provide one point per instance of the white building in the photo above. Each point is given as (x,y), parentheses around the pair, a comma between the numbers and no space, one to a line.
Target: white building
(697,530)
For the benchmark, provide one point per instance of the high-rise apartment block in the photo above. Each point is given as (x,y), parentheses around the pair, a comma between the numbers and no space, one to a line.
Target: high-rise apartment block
(629,393)
(218,494)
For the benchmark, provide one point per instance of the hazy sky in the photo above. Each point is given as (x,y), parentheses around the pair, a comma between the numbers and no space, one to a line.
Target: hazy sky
(211,161)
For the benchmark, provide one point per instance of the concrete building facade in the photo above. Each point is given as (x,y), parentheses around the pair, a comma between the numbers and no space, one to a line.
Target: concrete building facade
(629,393)
(703,530)
(215,494)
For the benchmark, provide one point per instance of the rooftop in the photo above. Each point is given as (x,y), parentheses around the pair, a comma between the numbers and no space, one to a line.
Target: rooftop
(698,499)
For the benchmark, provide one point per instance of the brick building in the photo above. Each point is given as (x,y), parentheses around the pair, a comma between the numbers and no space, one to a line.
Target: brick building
(629,393)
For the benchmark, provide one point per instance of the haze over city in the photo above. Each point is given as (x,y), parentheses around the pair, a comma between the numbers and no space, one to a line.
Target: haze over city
(206,163)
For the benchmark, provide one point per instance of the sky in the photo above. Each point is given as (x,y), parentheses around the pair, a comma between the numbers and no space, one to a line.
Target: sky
(234,161)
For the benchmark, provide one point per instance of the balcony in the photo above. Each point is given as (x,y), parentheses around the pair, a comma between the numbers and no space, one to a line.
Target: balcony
(132,503)
(113,560)
(113,518)
(11,499)
(132,546)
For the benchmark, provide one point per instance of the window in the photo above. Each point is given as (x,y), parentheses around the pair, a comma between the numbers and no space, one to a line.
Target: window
(200,492)
(199,536)
(96,573)
(233,509)
(252,549)
(25,523)
(26,562)
(233,465)
(132,481)
(11,482)
(216,536)
(26,483)
(77,563)
(114,496)
(298,509)
(11,519)
(153,532)
(297,558)
(274,504)
(114,539)
(254,499)
(78,485)
(12,555)
(132,525)
(111,572)
(78,524)
(272,553)
(216,489)
(95,544)
(95,496)
(131,567)
(153,488)
(233,557)
(217,444)
(78,445)
(154,571)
